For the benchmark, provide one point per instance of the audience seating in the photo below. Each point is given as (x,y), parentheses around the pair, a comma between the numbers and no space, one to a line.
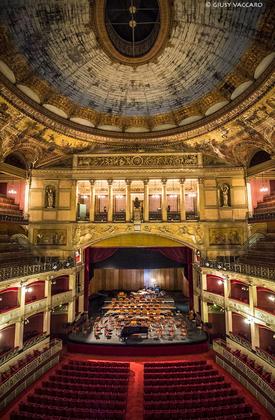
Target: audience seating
(19,365)
(266,376)
(191,390)
(80,390)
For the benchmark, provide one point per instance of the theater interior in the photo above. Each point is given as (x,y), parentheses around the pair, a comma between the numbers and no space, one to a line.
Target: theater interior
(137,210)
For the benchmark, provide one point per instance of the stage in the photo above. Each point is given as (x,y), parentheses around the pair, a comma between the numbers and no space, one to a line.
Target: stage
(142,323)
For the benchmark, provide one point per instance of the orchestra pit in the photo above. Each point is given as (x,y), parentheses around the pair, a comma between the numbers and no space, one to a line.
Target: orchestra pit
(137,210)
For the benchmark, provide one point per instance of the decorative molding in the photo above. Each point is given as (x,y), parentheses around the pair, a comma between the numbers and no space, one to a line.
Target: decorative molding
(35,307)
(191,234)
(11,316)
(62,298)
(172,160)
(266,317)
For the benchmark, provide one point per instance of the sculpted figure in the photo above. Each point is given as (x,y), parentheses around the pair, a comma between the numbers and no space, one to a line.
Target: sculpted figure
(50,197)
(225,191)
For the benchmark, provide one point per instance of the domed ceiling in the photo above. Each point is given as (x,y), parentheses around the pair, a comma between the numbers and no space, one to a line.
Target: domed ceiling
(59,54)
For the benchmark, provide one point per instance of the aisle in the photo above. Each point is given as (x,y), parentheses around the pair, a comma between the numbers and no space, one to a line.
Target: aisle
(135,392)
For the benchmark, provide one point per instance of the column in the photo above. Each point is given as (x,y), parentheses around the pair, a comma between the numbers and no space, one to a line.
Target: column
(47,322)
(146,200)
(204,311)
(92,200)
(164,200)
(128,200)
(111,201)
(255,336)
(19,332)
(252,293)
(201,200)
(81,303)
(249,199)
(182,200)
(228,321)
(71,311)
(226,287)
(203,281)
(74,200)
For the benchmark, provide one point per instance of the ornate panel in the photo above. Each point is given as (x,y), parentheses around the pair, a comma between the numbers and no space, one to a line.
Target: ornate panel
(264,316)
(212,297)
(62,298)
(173,160)
(235,306)
(8,317)
(33,307)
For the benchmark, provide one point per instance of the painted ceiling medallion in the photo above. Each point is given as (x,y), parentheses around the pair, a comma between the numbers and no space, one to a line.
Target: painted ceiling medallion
(132,31)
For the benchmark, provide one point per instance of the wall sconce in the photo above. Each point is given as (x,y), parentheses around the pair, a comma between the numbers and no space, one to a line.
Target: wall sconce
(249,320)
(29,289)
(84,196)
(220,282)
(101,196)
(12,191)
(155,196)
(119,196)
(192,194)
(172,196)
(272,298)
(26,321)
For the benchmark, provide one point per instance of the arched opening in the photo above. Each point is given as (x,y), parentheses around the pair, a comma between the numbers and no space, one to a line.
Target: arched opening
(9,299)
(241,326)
(259,157)
(7,339)
(34,291)
(33,326)
(239,291)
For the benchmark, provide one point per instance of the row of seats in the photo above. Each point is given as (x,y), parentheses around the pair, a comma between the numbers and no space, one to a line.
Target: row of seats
(76,385)
(99,393)
(80,374)
(152,389)
(171,365)
(198,395)
(111,365)
(56,401)
(82,394)
(68,412)
(187,404)
(161,369)
(190,394)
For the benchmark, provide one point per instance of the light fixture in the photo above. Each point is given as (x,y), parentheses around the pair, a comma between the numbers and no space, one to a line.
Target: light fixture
(155,196)
(192,194)
(119,196)
(249,320)
(263,188)
(84,196)
(220,282)
(173,196)
(272,298)
(12,191)
(29,289)
(101,196)
(1,299)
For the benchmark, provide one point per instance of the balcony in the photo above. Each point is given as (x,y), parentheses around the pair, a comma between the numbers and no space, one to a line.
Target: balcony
(29,373)
(101,217)
(242,268)
(41,266)
(119,216)
(10,316)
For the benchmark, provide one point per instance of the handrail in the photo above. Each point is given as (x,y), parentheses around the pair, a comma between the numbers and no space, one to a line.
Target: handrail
(242,268)
(43,265)
(253,239)
(12,218)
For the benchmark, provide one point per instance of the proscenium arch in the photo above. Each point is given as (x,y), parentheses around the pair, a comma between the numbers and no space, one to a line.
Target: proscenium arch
(139,240)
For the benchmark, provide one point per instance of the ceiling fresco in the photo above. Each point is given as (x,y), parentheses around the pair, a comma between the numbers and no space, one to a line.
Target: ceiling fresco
(58,61)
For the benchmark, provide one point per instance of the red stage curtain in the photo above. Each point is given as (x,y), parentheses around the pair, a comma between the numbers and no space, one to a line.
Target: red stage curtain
(178,254)
(101,254)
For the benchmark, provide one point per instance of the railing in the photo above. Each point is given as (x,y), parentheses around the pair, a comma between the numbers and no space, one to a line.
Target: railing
(173,216)
(29,373)
(240,340)
(9,355)
(244,374)
(42,265)
(101,217)
(265,356)
(23,220)
(119,216)
(34,340)
(263,217)
(237,267)
(155,216)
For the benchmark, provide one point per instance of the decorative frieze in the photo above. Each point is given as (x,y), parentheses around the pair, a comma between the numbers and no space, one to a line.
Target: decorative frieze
(35,307)
(138,161)
(62,298)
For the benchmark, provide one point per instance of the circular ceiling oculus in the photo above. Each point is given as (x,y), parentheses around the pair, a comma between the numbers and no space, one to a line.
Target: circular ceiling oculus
(132,31)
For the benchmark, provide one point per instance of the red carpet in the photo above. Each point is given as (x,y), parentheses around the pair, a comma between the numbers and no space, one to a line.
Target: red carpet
(135,390)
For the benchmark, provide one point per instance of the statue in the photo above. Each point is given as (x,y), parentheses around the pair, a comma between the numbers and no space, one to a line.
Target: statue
(137,203)
(50,197)
(137,210)
(225,195)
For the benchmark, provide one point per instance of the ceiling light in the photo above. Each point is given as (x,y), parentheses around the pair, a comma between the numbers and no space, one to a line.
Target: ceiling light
(263,189)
